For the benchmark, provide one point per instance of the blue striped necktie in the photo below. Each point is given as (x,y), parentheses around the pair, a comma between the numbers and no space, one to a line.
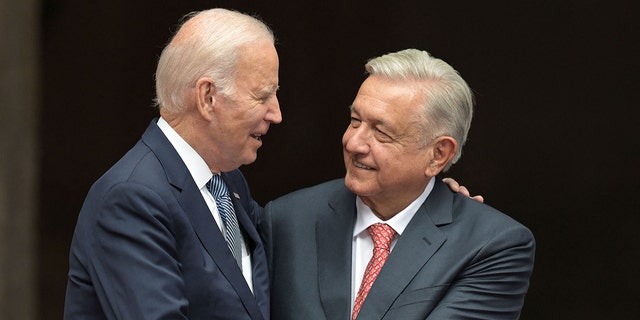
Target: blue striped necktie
(231,230)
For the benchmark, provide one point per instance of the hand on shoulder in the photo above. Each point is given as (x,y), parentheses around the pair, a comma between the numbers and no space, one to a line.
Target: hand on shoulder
(456,187)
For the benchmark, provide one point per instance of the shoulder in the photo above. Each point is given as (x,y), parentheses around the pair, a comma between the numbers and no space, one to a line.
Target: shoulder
(467,220)
(483,215)
(310,202)
(139,166)
(138,177)
(294,215)
(482,228)
(320,193)
(446,207)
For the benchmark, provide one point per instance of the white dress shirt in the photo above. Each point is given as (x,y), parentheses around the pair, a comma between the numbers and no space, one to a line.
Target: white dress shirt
(201,175)
(362,244)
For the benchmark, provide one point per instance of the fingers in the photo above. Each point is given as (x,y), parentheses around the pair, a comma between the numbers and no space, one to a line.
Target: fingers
(464,191)
(453,185)
(456,187)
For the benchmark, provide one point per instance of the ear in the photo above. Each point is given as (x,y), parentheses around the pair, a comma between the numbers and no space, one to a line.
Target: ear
(443,149)
(205,97)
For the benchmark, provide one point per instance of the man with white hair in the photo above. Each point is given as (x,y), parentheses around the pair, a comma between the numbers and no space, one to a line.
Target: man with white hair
(169,232)
(390,240)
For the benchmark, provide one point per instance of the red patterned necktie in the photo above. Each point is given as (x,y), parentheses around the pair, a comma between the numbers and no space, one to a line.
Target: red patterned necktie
(382,235)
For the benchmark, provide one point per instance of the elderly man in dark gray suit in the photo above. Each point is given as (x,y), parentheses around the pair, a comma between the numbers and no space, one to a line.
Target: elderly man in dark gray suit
(390,240)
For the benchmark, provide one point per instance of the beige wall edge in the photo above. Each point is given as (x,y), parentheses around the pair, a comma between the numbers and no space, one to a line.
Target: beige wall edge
(19,156)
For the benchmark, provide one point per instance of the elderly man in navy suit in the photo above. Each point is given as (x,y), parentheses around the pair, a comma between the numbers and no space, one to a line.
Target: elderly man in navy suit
(169,232)
(390,240)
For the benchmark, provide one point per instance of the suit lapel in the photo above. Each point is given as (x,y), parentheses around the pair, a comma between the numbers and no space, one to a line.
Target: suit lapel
(333,231)
(418,243)
(209,233)
(205,227)
(215,244)
(253,241)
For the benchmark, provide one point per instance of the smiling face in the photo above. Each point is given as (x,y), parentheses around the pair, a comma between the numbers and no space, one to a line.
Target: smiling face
(385,156)
(242,118)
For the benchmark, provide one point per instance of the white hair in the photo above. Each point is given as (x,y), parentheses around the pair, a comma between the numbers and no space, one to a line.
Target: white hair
(206,45)
(448,100)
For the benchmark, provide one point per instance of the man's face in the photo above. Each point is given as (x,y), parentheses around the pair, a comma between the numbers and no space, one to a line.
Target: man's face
(384,151)
(246,115)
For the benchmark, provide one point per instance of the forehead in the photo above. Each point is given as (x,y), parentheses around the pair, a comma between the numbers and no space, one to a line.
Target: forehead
(258,60)
(380,97)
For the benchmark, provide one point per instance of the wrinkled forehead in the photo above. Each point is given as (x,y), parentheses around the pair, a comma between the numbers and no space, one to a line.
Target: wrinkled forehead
(392,94)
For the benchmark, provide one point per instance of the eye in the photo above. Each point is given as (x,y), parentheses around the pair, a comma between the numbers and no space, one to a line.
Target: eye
(268,94)
(355,122)
(382,136)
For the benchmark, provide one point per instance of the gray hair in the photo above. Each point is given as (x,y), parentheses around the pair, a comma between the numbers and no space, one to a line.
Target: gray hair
(208,46)
(448,100)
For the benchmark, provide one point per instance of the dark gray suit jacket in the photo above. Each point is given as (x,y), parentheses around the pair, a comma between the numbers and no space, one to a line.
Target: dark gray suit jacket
(457,259)
(147,247)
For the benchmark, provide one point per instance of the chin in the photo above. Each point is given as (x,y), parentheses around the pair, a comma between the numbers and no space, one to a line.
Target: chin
(248,157)
(362,188)
(249,160)
(352,184)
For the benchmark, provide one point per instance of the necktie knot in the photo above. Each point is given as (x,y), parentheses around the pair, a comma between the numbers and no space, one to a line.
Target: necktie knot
(217,187)
(382,234)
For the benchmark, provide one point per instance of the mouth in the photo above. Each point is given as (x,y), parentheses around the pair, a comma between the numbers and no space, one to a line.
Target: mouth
(257,136)
(361,166)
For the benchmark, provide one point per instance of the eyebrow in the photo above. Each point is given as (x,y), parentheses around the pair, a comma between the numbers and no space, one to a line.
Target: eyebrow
(375,122)
(269,90)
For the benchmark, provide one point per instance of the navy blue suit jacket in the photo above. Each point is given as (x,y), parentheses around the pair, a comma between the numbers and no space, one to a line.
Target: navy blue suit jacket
(146,245)
(457,259)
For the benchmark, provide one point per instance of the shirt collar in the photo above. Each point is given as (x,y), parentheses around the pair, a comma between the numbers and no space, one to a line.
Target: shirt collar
(195,164)
(366,217)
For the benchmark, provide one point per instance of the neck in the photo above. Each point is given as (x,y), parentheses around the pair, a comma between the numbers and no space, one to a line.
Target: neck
(386,210)
(387,206)
(190,129)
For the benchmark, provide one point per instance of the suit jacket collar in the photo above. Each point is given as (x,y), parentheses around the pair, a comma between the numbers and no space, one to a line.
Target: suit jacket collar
(334,233)
(419,242)
(190,198)
(175,170)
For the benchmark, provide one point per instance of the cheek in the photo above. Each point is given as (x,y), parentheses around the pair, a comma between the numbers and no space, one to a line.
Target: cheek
(246,124)
(345,138)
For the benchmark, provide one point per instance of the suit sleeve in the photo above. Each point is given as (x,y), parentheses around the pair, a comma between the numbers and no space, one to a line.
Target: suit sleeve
(135,261)
(494,284)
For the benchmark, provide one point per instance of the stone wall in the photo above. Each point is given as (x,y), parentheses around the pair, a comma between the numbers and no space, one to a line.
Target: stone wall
(19,154)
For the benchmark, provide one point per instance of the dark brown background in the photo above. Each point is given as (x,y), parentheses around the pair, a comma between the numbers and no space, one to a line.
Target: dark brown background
(553,142)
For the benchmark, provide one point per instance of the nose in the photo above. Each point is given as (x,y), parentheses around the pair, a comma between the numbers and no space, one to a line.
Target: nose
(274,115)
(354,140)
